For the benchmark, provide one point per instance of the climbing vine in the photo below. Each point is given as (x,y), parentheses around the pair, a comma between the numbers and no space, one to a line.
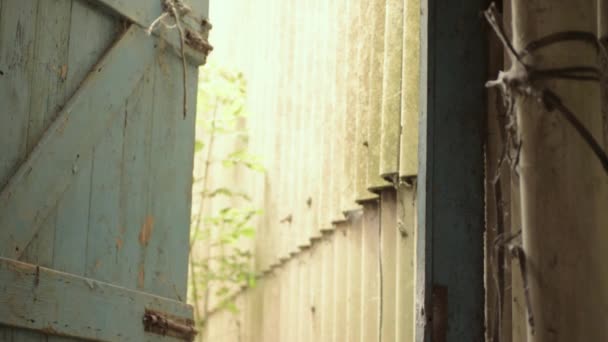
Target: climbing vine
(223,214)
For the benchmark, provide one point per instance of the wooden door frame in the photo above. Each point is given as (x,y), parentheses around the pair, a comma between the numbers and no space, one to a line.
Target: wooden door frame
(450,254)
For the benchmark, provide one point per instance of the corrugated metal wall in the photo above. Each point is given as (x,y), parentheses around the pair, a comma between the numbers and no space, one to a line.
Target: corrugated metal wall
(333,92)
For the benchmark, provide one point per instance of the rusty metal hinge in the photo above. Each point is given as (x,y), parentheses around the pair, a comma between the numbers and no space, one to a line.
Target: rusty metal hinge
(161,324)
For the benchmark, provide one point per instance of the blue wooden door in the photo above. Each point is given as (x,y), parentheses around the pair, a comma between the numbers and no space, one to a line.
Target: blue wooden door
(95,169)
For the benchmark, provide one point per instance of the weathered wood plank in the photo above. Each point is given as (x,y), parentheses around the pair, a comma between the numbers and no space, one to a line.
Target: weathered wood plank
(20,335)
(179,198)
(28,107)
(105,259)
(48,91)
(450,176)
(134,182)
(56,307)
(91,34)
(17,42)
(104,226)
(55,160)
(165,230)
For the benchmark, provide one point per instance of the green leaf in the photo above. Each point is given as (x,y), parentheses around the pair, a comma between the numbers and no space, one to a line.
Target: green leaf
(198,146)
(251,281)
(230,306)
(222,291)
(247,232)
(228,193)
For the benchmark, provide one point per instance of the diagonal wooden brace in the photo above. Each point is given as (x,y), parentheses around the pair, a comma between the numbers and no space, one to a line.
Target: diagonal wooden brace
(40,181)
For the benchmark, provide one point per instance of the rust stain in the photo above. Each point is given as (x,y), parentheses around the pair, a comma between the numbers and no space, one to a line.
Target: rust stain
(63,124)
(49,330)
(141,276)
(97,264)
(63,73)
(146,231)
(37,278)
(119,243)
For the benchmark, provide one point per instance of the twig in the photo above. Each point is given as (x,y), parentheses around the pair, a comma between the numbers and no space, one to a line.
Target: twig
(197,227)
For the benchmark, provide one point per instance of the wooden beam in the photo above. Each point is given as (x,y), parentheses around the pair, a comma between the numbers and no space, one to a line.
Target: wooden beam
(41,180)
(62,304)
(450,185)
(144,13)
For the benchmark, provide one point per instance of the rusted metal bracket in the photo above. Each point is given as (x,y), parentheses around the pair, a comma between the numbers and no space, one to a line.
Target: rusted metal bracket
(162,324)
(199,40)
